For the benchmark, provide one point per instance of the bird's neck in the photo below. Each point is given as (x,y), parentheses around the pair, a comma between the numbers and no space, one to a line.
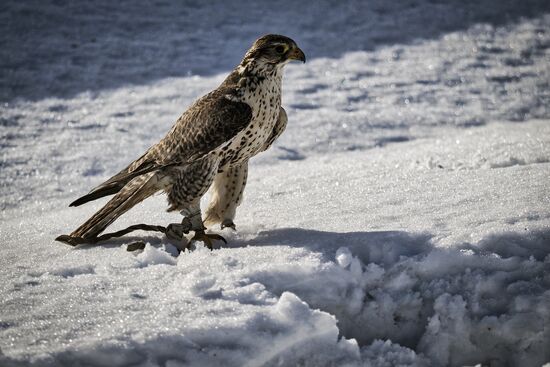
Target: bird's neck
(251,80)
(259,69)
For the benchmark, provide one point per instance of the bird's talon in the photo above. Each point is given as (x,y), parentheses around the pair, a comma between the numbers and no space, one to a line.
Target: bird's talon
(207,238)
(174,231)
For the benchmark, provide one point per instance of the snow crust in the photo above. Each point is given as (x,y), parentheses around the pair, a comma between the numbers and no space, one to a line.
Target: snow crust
(403,219)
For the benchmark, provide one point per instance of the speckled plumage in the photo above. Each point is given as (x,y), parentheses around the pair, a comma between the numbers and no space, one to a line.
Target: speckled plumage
(210,143)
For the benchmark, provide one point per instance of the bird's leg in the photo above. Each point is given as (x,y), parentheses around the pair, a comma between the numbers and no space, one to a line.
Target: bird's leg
(226,195)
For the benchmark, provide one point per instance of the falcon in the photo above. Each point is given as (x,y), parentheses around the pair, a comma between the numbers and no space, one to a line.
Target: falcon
(208,148)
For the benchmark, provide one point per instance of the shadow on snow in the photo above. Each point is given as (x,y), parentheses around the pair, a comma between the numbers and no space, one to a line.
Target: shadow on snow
(61,48)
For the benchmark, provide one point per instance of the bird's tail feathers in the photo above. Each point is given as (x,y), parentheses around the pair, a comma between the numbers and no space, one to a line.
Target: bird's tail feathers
(99,192)
(137,190)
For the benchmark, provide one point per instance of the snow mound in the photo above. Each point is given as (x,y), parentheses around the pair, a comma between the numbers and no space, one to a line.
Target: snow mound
(454,306)
(154,256)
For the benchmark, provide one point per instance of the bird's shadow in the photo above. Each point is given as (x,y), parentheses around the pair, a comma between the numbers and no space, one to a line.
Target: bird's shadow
(383,247)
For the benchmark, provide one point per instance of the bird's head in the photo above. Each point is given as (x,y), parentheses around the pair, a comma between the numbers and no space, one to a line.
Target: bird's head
(273,50)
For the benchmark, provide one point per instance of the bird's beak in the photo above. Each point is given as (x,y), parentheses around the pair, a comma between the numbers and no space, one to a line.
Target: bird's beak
(297,54)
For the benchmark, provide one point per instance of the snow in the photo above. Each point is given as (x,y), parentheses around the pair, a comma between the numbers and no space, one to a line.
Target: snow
(403,219)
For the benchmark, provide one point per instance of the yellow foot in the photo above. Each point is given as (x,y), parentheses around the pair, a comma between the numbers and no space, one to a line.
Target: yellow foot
(207,238)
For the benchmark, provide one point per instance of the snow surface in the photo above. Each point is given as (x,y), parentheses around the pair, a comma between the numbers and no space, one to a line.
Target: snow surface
(403,219)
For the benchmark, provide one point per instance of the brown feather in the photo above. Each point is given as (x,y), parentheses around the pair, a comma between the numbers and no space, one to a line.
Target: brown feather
(133,193)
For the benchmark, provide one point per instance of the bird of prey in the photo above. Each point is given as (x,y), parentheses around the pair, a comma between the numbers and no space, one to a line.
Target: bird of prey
(207,148)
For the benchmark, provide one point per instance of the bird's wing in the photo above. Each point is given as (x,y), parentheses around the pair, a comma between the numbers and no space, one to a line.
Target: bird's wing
(210,122)
(278,129)
(207,125)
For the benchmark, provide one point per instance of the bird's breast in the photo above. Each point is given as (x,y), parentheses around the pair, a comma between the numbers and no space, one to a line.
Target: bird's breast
(265,101)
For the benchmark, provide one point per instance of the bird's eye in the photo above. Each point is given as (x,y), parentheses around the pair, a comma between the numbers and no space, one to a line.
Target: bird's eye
(280,49)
